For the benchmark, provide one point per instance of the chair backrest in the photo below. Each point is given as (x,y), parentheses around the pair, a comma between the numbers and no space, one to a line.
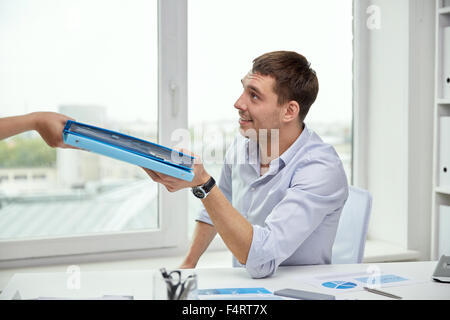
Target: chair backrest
(352,229)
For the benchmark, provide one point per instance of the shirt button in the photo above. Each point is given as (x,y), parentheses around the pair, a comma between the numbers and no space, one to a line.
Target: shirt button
(253,188)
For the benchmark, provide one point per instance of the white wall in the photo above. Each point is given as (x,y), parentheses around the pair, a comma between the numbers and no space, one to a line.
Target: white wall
(398,102)
(388,98)
(420,130)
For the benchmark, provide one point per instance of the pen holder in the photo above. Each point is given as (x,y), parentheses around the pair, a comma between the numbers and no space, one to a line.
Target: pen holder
(179,284)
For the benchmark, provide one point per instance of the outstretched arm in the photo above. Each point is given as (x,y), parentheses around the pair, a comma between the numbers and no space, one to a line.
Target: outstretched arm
(48,124)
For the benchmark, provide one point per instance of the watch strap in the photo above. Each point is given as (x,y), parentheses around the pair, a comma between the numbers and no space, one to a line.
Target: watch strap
(209,185)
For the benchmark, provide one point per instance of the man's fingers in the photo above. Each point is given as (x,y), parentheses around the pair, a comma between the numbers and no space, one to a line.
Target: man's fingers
(68,146)
(197,159)
(187,152)
(165,178)
(161,178)
(158,175)
(171,184)
(152,175)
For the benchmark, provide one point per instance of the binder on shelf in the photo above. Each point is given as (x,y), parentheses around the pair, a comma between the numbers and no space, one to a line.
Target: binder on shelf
(444,230)
(446,63)
(444,151)
(130,149)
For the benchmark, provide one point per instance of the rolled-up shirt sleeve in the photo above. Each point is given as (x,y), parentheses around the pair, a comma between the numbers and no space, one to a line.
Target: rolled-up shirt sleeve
(204,217)
(315,192)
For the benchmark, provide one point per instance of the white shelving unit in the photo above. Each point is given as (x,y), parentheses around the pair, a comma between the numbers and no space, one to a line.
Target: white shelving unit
(441,193)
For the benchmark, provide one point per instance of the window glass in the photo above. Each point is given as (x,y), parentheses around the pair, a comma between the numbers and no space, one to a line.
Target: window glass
(93,60)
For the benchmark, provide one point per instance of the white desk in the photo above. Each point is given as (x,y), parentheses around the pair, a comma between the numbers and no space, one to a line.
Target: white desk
(139,283)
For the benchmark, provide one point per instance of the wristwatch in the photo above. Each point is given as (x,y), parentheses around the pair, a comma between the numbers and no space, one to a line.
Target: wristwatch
(202,191)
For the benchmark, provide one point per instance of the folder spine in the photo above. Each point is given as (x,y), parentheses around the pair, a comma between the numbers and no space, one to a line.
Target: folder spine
(444,150)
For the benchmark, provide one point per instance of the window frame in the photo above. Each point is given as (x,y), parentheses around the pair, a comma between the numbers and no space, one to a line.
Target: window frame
(172,231)
(360,127)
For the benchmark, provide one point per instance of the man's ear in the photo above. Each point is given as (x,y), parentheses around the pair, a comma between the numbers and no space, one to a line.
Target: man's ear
(292,109)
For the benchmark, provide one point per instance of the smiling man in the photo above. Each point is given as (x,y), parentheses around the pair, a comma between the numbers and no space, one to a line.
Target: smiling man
(283,207)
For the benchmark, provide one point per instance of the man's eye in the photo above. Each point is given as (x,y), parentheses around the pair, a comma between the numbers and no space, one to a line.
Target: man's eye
(254,96)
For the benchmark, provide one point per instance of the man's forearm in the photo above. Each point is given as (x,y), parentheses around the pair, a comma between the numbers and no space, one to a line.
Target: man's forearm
(203,235)
(235,230)
(11,126)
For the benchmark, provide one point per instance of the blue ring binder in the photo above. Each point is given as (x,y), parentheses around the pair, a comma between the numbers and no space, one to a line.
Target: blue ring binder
(129,149)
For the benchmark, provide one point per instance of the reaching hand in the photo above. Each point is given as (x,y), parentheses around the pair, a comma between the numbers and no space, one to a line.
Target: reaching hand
(50,126)
(174,184)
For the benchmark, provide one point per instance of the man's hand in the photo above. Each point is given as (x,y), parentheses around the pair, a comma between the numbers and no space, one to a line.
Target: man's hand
(174,184)
(50,126)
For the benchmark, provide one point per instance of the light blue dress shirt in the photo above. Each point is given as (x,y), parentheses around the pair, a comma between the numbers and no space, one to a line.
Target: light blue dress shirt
(294,207)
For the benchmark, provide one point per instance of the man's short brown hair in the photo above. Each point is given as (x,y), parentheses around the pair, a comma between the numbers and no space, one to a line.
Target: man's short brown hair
(294,78)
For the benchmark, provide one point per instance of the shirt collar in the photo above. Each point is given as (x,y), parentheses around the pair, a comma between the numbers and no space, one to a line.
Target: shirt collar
(298,143)
(281,161)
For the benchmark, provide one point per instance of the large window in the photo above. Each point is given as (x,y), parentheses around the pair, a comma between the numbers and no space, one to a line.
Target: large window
(98,61)
(95,61)
(224,38)
(122,65)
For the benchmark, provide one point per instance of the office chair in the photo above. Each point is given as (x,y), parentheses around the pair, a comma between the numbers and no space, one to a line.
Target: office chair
(352,229)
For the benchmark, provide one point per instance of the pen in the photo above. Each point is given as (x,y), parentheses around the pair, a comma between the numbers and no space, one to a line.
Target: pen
(164,273)
(185,291)
(382,293)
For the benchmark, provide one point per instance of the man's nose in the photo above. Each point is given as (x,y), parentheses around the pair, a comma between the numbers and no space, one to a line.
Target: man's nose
(240,104)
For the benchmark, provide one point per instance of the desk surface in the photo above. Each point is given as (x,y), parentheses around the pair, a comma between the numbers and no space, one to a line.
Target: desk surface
(139,283)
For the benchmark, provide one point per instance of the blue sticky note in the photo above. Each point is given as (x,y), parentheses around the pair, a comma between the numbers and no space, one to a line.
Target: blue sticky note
(233,291)
(383,279)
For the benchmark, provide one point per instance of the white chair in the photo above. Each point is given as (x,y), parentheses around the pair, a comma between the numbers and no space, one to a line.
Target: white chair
(352,229)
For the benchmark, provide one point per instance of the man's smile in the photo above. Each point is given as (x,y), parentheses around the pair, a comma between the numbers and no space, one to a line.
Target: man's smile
(244,121)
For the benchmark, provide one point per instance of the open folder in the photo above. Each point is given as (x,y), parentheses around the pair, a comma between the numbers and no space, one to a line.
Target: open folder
(129,149)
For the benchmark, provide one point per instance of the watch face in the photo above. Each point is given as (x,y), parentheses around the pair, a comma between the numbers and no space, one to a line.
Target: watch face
(198,192)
